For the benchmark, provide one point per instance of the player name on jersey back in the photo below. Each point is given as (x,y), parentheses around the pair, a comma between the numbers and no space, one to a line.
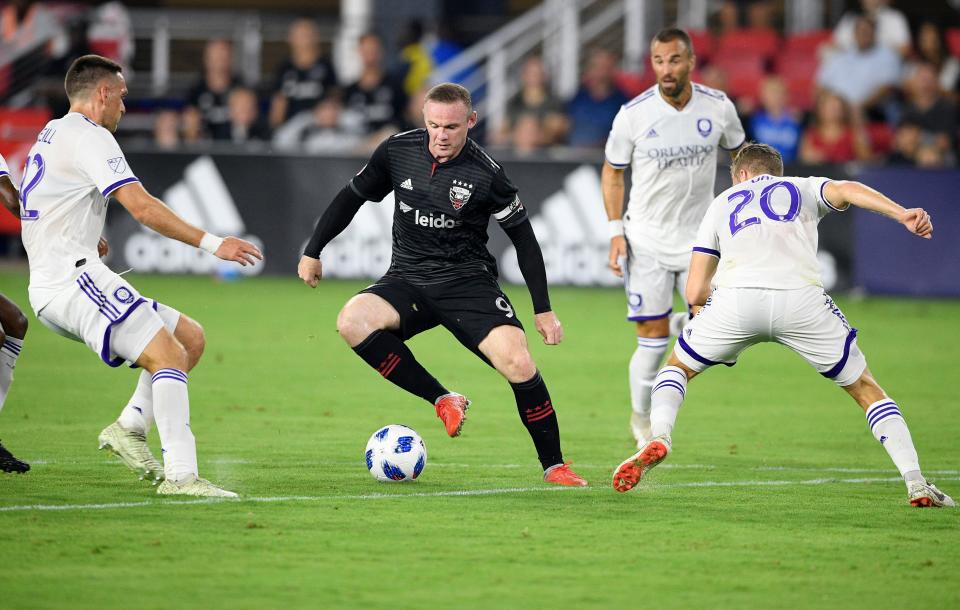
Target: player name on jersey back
(764,232)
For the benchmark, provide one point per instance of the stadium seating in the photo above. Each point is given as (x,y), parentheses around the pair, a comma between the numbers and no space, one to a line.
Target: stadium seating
(806,42)
(18,130)
(744,73)
(953,41)
(798,69)
(703,44)
(750,42)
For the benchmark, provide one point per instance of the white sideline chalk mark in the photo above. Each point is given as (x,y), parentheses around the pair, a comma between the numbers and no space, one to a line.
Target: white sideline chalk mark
(442,494)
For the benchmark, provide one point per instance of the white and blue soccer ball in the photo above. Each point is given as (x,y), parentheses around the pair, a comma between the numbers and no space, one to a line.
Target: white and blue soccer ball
(396,453)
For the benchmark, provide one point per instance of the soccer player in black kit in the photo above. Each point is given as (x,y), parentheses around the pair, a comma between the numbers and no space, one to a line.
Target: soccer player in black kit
(446,188)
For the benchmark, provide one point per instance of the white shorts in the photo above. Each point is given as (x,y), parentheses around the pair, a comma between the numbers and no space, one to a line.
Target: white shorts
(104,311)
(650,285)
(806,320)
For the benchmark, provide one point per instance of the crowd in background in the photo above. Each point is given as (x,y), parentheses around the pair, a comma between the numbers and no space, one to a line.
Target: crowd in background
(881,91)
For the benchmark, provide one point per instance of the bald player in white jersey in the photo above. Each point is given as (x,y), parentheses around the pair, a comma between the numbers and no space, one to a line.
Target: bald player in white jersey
(758,245)
(72,170)
(670,135)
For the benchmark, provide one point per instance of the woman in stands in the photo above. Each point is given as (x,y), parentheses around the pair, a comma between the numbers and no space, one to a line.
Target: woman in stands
(834,135)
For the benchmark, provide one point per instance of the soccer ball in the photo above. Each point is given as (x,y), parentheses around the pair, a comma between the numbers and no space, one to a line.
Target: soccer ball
(396,453)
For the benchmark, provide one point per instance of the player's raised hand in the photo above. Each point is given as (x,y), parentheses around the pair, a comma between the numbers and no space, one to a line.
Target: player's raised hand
(549,327)
(618,253)
(102,247)
(310,271)
(239,251)
(918,222)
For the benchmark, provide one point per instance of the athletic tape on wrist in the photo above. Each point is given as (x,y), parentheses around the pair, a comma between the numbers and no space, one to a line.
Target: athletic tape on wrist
(210,243)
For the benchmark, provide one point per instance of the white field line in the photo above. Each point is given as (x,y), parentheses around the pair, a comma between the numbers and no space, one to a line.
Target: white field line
(219,461)
(440,494)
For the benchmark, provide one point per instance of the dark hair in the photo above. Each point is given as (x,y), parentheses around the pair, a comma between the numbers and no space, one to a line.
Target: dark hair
(86,71)
(671,34)
(449,93)
(758,158)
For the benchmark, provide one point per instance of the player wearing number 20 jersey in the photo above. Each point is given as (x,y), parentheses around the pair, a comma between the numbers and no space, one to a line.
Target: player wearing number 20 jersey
(758,243)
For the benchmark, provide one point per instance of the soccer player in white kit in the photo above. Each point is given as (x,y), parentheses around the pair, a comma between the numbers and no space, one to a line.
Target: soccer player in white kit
(670,134)
(72,170)
(13,326)
(758,244)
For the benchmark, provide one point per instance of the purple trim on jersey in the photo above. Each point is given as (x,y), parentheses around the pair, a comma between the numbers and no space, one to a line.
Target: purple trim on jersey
(733,148)
(616,165)
(105,350)
(642,97)
(686,347)
(824,198)
(645,318)
(838,367)
(714,93)
(118,184)
(709,251)
(155,305)
(3,173)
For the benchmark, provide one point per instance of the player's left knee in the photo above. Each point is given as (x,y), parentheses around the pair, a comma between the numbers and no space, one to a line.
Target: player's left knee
(17,326)
(519,367)
(191,335)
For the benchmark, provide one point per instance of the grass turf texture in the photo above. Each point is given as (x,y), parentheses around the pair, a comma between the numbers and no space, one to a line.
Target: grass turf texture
(776,495)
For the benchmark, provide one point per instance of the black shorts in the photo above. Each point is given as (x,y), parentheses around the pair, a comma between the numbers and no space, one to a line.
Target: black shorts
(469,307)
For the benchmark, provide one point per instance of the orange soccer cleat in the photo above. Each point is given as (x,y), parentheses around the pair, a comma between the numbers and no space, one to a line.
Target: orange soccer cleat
(561,474)
(452,409)
(629,473)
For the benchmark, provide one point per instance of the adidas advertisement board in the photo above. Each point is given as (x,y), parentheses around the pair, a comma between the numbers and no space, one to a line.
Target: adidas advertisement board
(274,201)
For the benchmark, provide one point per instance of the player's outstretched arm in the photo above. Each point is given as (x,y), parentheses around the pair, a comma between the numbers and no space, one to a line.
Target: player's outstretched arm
(702,269)
(530,260)
(843,193)
(611,186)
(153,213)
(333,221)
(9,196)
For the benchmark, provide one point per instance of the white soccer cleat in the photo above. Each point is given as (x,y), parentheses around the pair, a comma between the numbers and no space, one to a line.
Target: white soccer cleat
(194,486)
(640,427)
(926,495)
(131,447)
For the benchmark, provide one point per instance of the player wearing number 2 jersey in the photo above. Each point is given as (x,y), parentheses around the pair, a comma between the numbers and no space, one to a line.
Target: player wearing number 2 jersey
(13,325)
(670,136)
(446,189)
(758,244)
(72,170)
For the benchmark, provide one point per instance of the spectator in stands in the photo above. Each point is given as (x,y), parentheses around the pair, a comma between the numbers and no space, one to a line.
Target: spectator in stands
(415,61)
(597,101)
(245,122)
(865,76)
(376,99)
(321,130)
(774,123)
(305,77)
(527,136)
(535,98)
(166,129)
(932,111)
(906,143)
(931,47)
(893,31)
(208,97)
(835,135)
(413,112)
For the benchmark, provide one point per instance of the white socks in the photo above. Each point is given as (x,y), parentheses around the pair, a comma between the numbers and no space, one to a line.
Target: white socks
(643,368)
(9,353)
(670,386)
(138,414)
(888,426)
(172,412)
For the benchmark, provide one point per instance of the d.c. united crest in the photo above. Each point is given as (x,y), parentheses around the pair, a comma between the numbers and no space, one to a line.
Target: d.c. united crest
(460,193)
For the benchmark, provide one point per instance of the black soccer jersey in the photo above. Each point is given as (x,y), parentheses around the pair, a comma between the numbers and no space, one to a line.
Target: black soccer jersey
(441,210)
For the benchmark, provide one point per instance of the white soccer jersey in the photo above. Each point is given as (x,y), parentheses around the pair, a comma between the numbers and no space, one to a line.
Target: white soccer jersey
(4,170)
(70,172)
(764,231)
(674,158)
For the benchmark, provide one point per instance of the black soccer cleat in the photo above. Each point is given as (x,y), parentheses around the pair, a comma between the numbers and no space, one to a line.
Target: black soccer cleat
(8,463)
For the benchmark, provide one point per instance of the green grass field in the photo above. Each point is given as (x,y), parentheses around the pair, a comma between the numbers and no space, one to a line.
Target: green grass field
(776,494)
